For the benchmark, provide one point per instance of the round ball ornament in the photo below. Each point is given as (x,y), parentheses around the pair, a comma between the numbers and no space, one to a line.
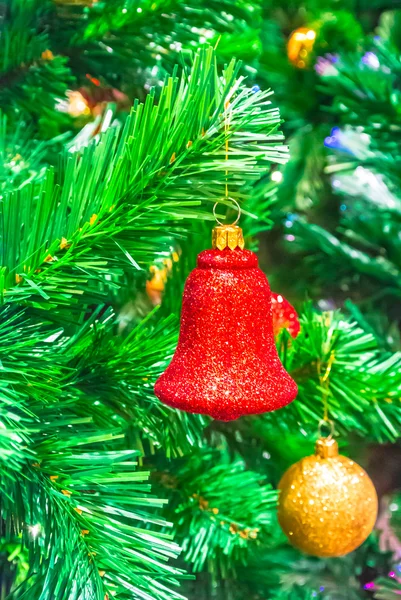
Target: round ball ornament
(327,503)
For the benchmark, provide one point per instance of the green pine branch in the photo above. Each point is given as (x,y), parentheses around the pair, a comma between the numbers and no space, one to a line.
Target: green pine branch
(70,489)
(388,589)
(345,257)
(87,531)
(362,236)
(122,370)
(32,80)
(362,389)
(104,209)
(22,159)
(129,46)
(221,510)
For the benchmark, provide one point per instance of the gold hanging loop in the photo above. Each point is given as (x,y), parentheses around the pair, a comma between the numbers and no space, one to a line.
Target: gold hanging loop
(326,423)
(238,215)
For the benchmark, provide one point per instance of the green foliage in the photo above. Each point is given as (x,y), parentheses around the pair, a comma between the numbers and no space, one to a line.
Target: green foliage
(76,389)
(86,533)
(82,217)
(60,447)
(21,157)
(387,589)
(32,79)
(362,382)
(125,45)
(216,526)
(359,239)
(90,213)
(155,30)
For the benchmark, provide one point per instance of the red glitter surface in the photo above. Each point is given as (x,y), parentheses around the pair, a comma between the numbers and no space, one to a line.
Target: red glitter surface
(284,316)
(226,364)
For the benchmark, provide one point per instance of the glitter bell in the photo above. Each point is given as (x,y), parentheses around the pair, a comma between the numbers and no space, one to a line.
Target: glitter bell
(226,364)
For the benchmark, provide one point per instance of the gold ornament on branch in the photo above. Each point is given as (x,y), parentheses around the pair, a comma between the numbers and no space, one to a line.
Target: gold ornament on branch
(47,55)
(159,275)
(327,504)
(300,45)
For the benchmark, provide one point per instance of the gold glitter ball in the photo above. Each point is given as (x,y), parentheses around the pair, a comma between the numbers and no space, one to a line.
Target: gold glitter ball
(327,504)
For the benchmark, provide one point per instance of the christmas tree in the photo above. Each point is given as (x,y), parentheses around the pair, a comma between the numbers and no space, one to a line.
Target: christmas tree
(122,124)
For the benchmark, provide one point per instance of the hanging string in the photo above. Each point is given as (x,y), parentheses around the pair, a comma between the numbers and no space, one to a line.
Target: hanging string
(324,384)
(226,130)
(227,115)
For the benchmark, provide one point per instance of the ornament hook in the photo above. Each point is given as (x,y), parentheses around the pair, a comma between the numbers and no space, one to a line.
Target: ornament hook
(326,423)
(238,215)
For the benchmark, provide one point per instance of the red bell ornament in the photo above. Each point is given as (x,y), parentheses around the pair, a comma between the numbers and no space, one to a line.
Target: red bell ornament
(226,364)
